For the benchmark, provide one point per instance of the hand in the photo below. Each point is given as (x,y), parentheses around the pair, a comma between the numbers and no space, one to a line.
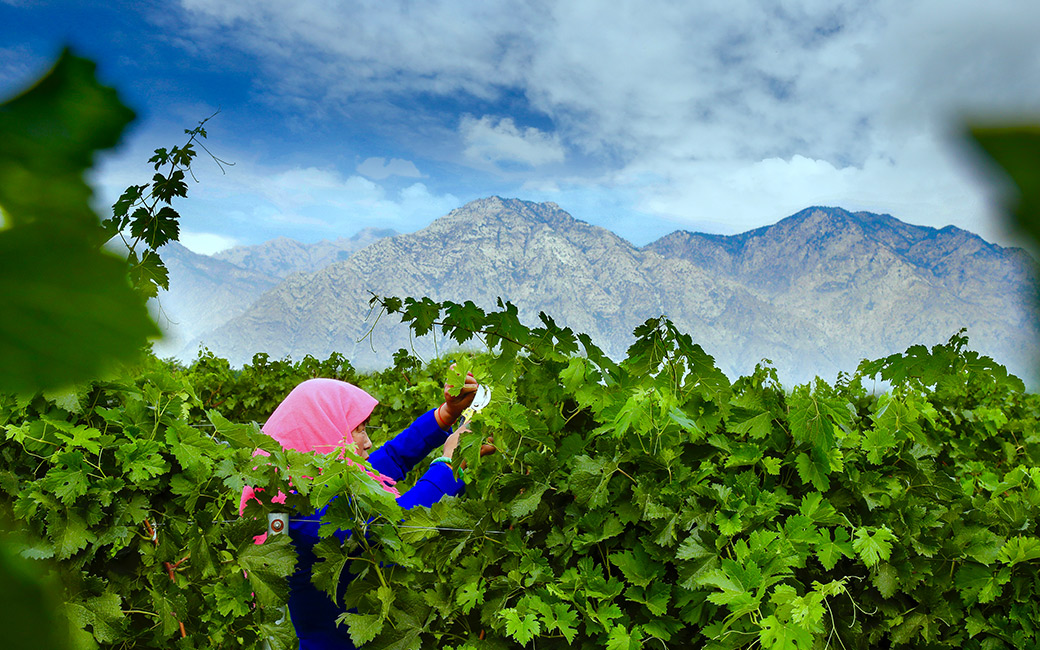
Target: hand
(452,443)
(453,406)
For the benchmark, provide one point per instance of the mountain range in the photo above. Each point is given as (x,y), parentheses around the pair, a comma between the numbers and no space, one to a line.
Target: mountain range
(814,293)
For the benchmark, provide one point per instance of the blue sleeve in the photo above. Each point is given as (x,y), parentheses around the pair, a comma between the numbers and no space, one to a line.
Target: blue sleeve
(437,482)
(398,456)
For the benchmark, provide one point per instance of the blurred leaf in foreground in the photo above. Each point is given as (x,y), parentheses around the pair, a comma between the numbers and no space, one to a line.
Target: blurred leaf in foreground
(68,309)
(48,137)
(1016,149)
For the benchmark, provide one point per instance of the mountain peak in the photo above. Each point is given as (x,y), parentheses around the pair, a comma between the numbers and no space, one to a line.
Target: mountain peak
(495,210)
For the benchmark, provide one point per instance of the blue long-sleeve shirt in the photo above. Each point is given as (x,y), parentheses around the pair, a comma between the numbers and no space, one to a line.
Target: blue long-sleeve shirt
(313,613)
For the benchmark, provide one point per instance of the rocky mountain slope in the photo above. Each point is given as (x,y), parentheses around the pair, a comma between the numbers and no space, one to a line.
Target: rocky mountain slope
(815,292)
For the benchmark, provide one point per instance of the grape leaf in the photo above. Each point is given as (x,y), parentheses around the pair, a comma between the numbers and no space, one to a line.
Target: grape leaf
(636,566)
(978,583)
(873,547)
(1019,549)
(783,636)
(522,628)
(829,551)
(361,627)
(886,580)
(621,639)
(563,619)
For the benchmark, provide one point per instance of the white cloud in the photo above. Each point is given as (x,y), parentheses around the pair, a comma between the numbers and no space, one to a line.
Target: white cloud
(492,141)
(206,243)
(313,202)
(379,168)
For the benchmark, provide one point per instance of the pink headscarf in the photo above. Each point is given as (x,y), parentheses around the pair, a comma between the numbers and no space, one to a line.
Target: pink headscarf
(318,416)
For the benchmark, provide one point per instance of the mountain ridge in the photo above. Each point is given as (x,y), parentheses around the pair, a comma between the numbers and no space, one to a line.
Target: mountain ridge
(816,292)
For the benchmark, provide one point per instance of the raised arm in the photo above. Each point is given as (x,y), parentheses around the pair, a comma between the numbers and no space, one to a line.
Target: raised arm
(398,456)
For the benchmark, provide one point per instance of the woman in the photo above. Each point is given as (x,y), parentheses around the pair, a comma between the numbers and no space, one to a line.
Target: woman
(322,415)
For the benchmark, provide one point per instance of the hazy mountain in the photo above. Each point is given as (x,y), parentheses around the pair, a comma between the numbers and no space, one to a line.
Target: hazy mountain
(204,293)
(282,257)
(815,292)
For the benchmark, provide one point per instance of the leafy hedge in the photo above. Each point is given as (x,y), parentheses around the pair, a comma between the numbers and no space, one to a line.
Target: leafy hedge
(647,503)
(653,503)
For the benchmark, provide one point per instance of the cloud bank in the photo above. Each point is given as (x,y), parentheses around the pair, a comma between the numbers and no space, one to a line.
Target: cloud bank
(736,113)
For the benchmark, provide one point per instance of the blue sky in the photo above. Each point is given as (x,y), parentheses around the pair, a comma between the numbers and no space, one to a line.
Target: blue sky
(641,117)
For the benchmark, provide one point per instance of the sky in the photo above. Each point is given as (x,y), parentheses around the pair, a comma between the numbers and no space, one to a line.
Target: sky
(641,117)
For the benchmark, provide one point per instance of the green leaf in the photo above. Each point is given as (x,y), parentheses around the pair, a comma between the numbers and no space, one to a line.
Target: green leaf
(104,614)
(470,595)
(50,134)
(80,436)
(771,465)
(141,459)
(621,639)
(807,611)
(978,583)
(69,313)
(563,619)
(528,502)
(656,597)
(464,319)
(813,472)
(268,566)
(407,638)
(686,423)
(729,523)
(775,635)
(589,479)
(636,566)
(127,199)
(522,628)
(361,627)
(748,418)
(166,188)
(1020,549)
(813,418)
(732,593)
(148,273)
(69,532)
(886,580)
(829,551)
(67,483)
(873,547)
(421,315)
(985,546)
